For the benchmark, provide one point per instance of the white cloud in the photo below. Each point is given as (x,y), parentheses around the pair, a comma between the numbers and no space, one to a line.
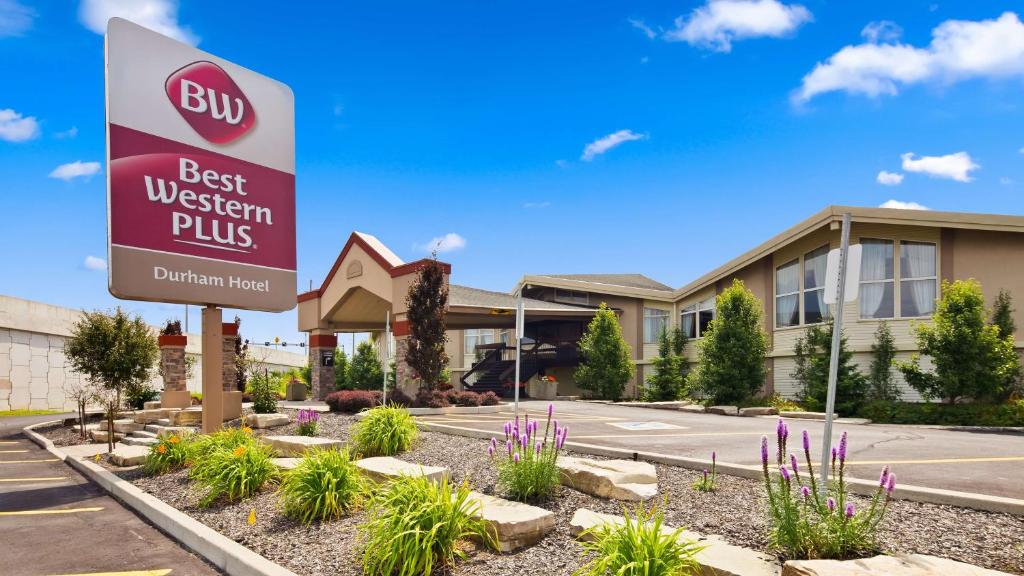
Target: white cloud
(157,15)
(889,178)
(957,166)
(959,50)
(881,31)
(17,128)
(901,205)
(77,169)
(94,263)
(447,243)
(643,27)
(606,143)
(69,133)
(15,18)
(720,22)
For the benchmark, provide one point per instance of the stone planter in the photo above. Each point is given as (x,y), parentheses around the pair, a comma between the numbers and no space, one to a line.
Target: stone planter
(296,390)
(542,389)
(172,364)
(232,404)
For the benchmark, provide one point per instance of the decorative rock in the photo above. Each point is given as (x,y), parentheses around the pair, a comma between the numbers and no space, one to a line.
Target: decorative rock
(912,565)
(154,405)
(267,420)
(139,441)
(152,415)
(718,557)
(513,524)
(722,410)
(187,417)
(692,408)
(286,463)
(382,468)
(127,426)
(616,479)
(297,445)
(129,455)
(759,411)
(164,431)
(101,436)
(806,415)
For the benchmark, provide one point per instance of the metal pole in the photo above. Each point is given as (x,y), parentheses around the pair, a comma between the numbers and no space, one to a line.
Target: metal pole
(387,355)
(833,361)
(520,320)
(186,318)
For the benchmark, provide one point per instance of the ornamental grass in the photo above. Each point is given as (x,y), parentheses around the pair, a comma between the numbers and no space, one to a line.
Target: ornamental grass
(168,454)
(385,431)
(640,546)
(528,467)
(233,473)
(324,486)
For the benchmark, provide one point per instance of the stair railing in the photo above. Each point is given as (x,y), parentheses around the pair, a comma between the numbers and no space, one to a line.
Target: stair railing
(494,354)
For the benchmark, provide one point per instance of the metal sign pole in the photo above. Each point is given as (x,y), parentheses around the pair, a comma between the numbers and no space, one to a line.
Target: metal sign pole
(833,363)
(519,345)
(387,355)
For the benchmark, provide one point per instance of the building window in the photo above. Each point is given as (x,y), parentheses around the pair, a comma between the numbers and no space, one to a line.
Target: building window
(787,294)
(877,286)
(474,337)
(505,336)
(815,263)
(917,279)
(655,322)
(688,321)
(572,297)
(695,318)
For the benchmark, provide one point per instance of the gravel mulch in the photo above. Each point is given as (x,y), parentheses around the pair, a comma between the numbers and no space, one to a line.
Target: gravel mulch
(734,511)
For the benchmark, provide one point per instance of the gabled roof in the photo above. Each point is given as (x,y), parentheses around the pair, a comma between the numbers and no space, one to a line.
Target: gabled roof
(624,280)
(477,298)
(381,249)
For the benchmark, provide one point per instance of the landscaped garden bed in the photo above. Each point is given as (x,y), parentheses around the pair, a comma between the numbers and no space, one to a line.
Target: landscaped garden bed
(734,510)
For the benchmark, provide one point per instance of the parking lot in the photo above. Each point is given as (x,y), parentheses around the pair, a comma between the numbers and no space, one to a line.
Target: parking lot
(979,462)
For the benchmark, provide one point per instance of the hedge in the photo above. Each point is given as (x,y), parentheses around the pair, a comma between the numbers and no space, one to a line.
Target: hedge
(1008,414)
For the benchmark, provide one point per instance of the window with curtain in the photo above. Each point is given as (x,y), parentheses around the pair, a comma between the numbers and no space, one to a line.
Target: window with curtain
(688,321)
(474,337)
(877,285)
(917,279)
(787,294)
(815,309)
(705,314)
(655,322)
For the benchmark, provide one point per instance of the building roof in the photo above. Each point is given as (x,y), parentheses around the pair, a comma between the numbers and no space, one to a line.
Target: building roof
(477,298)
(381,249)
(624,280)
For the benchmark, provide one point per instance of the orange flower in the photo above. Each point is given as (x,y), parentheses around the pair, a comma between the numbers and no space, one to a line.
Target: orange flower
(174,440)
(239,451)
(246,429)
(161,448)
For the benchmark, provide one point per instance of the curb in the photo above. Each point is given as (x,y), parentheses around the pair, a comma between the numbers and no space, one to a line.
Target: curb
(219,550)
(863,487)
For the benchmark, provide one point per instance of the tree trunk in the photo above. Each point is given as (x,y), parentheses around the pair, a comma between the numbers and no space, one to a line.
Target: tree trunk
(81,418)
(111,410)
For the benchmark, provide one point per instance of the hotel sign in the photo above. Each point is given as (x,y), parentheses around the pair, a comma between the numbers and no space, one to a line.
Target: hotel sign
(200,176)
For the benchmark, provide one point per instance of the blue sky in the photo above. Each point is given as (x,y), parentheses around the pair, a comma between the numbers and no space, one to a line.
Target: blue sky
(710,125)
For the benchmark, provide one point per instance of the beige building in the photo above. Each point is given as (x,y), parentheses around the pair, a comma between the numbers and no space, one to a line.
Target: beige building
(906,255)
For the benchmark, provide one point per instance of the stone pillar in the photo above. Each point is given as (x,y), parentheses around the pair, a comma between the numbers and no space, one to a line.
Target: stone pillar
(172,366)
(232,395)
(321,360)
(404,379)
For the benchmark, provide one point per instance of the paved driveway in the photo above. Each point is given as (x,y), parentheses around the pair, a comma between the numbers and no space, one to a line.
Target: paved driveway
(985,463)
(54,521)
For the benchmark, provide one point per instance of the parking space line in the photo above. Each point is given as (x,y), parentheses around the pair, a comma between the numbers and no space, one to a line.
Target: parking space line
(51,511)
(13,451)
(9,442)
(29,461)
(680,435)
(159,572)
(49,479)
(936,461)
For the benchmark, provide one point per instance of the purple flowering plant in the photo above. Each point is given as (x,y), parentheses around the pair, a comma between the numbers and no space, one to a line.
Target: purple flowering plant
(527,469)
(808,523)
(308,421)
(706,483)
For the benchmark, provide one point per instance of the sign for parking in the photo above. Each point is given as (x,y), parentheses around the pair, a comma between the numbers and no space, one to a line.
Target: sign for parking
(200,176)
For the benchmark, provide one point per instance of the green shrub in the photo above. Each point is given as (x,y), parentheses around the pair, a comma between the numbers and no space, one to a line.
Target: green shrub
(385,431)
(639,547)
(135,397)
(225,439)
(170,453)
(234,474)
(706,483)
(669,379)
(416,525)
(263,388)
(881,385)
(528,469)
(325,485)
(1007,414)
(813,351)
(607,357)
(365,371)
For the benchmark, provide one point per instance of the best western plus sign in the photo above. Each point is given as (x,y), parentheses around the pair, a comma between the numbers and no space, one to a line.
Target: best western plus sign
(201,178)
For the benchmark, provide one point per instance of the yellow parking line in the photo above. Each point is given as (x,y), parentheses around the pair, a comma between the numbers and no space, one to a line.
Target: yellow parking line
(162,572)
(51,479)
(28,461)
(938,461)
(53,511)
(13,451)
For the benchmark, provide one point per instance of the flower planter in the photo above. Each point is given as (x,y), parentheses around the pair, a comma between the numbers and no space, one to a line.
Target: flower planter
(542,389)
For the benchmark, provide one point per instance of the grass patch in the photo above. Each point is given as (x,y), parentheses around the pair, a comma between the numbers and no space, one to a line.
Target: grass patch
(385,431)
(234,474)
(324,486)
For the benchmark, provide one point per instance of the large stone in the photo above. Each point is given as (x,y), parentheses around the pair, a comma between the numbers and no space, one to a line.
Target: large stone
(139,441)
(266,420)
(152,415)
(102,436)
(298,445)
(286,463)
(722,410)
(165,431)
(806,415)
(717,558)
(384,468)
(513,524)
(129,455)
(911,565)
(692,408)
(152,405)
(616,479)
(127,426)
(759,411)
(187,417)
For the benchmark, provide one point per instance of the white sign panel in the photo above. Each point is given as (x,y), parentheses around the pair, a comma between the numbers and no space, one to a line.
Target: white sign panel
(852,275)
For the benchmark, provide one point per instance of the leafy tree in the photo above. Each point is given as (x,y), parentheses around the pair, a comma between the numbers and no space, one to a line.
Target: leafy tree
(340,370)
(669,379)
(425,304)
(1002,314)
(116,351)
(730,364)
(881,385)
(607,357)
(365,371)
(813,354)
(971,358)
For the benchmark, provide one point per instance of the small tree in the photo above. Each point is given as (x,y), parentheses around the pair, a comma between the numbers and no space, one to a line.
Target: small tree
(115,351)
(971,358)
(82,392)
(366,372)
(669,379)
(730,364)
(340,370)
(426,304)
(607,357)
(881,385)
(813,353)
(1002,314)
(241,358)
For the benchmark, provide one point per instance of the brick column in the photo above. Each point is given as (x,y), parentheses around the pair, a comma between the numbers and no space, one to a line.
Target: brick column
(404,378)
(172,366)
(321,360)
(232,395)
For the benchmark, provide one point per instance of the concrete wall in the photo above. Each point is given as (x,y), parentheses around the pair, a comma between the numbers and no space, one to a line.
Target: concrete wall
(34,371)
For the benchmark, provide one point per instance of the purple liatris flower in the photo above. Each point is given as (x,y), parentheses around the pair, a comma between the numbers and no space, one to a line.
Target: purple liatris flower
(831,502)
(764,450)
(805,492)
(807,441)
(537,447)
(833,455)
(515,458)
(849,510)
(490,451)
(508,445)
(891,484)
(508,429)
(785,473)
(884,478)
(523,439)
(792,463)
(842,448)
(551,409)
(714,458)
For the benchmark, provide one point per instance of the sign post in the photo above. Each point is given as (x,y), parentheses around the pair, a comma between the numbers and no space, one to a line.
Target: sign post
(520,320)
(200,186)
(837,335)
(387,356)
